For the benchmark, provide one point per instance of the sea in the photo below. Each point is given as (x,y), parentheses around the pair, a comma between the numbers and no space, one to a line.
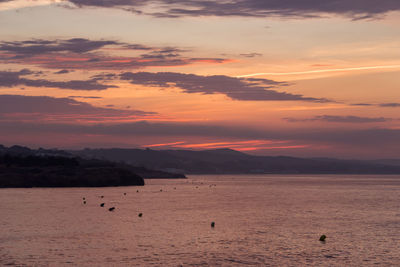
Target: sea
(259,220)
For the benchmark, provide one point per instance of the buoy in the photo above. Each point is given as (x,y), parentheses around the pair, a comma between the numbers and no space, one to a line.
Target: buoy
(140,214)
(111,209)
(124,194)
(322,238)
(101,196)
(137,191)
(84,198)
(84,202)
(212,224)
(102,205)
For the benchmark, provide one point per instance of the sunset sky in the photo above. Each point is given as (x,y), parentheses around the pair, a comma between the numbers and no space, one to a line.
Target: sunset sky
(304,78)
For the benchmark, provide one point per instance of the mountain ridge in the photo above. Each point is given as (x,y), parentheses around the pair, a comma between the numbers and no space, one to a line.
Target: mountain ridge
(229,161)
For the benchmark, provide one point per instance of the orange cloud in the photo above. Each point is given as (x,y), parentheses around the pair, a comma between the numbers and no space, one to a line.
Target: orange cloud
(271,147)
(238,145)
(164,144)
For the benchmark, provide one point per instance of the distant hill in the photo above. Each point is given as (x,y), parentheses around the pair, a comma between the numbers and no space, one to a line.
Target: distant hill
(394,162)
(228,161)
(24,152)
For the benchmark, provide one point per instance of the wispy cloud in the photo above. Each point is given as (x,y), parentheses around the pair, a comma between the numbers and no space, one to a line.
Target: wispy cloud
(86,54)
(390,105)
(19,108)
(295,9)
(18,78)
(247,145)
(356,9)
(62,72)
(320,71)
(382,105)
(236,88)
(15,4)
(340,119)
(251,55)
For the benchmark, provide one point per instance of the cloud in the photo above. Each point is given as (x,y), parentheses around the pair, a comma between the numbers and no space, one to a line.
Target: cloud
(340,119)
(85,54)
(382,105)
(35,47)
(15,4)
(251,55)
(390,105)
(355,9)
(362,104)
(16,78)
(235,88)
(47,109)
(62,72)
(85,97)
(321,71)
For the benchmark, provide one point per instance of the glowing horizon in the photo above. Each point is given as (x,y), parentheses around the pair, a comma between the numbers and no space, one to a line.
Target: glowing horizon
(189,76)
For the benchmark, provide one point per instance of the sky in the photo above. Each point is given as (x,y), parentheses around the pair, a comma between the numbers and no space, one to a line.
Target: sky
(306,78)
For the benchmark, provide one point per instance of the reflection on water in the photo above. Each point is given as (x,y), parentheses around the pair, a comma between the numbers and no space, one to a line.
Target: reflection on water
(259,221)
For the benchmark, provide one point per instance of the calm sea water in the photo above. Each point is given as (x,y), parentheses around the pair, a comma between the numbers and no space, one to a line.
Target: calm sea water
(259,221)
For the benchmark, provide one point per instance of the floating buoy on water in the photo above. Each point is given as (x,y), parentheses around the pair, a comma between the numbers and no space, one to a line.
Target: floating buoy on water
(322,238)
(102,205)
(111,209)
(140,214)
(212,224)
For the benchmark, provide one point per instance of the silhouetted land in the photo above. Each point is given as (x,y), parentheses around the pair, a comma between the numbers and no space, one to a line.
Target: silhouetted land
(22,167)
(53,167)
(227,161)
(54,171)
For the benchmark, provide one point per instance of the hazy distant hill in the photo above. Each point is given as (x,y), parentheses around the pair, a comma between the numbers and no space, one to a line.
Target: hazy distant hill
(394,162)
(227,161)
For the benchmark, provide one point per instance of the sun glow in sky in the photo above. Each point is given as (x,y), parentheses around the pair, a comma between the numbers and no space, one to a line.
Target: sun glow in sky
(299,78)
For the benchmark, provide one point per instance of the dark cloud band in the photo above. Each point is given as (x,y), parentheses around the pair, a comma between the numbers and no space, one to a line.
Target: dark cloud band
(43,108)
(250,89)
(17,78)
(86,54)
(340,119)
(355,9)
